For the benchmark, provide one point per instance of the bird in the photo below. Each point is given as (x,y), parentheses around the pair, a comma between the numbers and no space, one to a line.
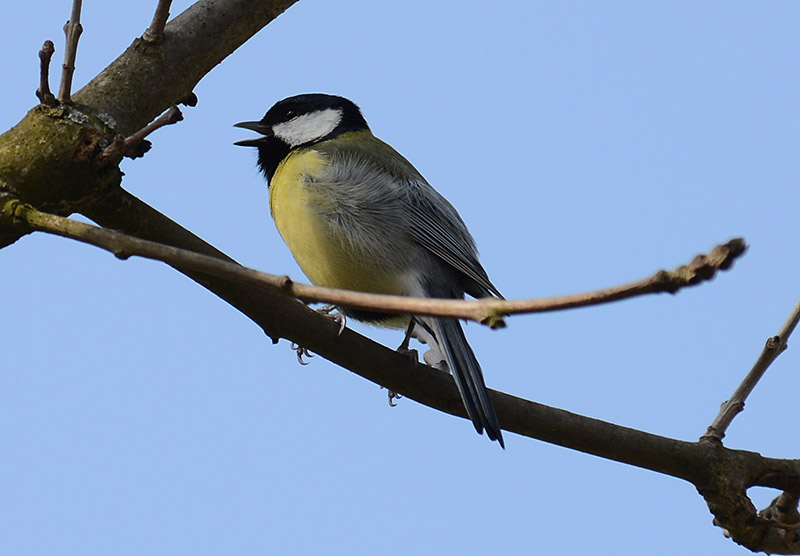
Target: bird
(357,215)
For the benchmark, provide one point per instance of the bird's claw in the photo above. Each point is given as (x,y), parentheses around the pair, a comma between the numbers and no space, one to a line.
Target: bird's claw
(301,352)
(326,310)
(338,317)
(394,396)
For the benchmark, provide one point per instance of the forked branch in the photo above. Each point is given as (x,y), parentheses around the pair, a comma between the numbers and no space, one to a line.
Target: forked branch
(735,404)
(135,145)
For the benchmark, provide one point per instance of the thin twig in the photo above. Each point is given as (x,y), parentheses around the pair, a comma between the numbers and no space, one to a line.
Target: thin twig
(72,30)
(128,147)
(486,311)
(43,93)
(155,33)
(735,404)
(702,268)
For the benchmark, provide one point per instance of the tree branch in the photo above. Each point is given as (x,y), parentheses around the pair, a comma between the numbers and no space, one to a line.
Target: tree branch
(72,30)
(721,475)
(131,146)
(49,159)
(147,79)
(43,92)
(155,33)
(735,404)
(482,310)
(61,172)
(518,415)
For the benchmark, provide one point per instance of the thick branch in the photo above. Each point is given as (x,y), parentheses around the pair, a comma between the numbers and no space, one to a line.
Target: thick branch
(720,474)
(147,79)
(50,159)
(413,380)
(217,267)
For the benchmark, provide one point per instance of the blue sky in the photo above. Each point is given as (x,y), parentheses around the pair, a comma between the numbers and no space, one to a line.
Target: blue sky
(584,143)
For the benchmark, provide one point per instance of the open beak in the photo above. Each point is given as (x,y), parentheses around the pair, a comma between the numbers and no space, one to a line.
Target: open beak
(258,127)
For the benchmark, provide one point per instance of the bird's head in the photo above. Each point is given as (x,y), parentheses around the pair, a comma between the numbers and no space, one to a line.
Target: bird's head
(304,120)
(300,121)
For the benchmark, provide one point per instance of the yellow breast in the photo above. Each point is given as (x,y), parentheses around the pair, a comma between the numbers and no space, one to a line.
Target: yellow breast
(324,254)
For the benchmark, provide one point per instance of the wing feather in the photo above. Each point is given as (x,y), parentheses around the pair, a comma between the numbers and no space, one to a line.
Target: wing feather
(398,196)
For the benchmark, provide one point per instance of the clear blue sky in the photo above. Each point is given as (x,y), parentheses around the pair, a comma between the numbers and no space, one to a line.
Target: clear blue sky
(584,143)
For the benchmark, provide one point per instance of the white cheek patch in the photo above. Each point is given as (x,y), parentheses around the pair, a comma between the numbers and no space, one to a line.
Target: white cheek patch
(308,127)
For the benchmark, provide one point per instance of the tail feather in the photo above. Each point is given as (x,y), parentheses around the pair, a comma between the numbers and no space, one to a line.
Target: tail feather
(468,376)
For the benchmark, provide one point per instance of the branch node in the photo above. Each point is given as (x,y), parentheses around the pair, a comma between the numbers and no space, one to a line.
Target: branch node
(783,511)
(285,283)
(155,33)
(713,435)
(136,145)
(663,281)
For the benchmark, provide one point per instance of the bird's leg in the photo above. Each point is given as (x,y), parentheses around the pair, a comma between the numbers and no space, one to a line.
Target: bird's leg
(403,347)
(405,350)
(339,317)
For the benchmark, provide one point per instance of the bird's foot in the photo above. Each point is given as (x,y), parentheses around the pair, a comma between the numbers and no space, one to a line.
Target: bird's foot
(394,396)
(301,352)
(434,357)
(408,352)
(338,317)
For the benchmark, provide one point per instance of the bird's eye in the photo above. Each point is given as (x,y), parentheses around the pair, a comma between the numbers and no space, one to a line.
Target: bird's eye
(290,114)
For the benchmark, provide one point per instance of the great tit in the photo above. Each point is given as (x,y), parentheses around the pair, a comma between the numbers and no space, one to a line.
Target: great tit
(357,215)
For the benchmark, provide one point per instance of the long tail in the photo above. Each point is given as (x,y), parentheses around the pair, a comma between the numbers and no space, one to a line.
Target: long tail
(467,374)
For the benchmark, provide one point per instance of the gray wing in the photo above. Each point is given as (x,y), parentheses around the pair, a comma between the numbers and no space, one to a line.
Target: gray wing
(437,226)
(381,193)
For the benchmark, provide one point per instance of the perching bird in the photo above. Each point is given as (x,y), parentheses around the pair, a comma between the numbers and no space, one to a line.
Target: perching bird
(357,215)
